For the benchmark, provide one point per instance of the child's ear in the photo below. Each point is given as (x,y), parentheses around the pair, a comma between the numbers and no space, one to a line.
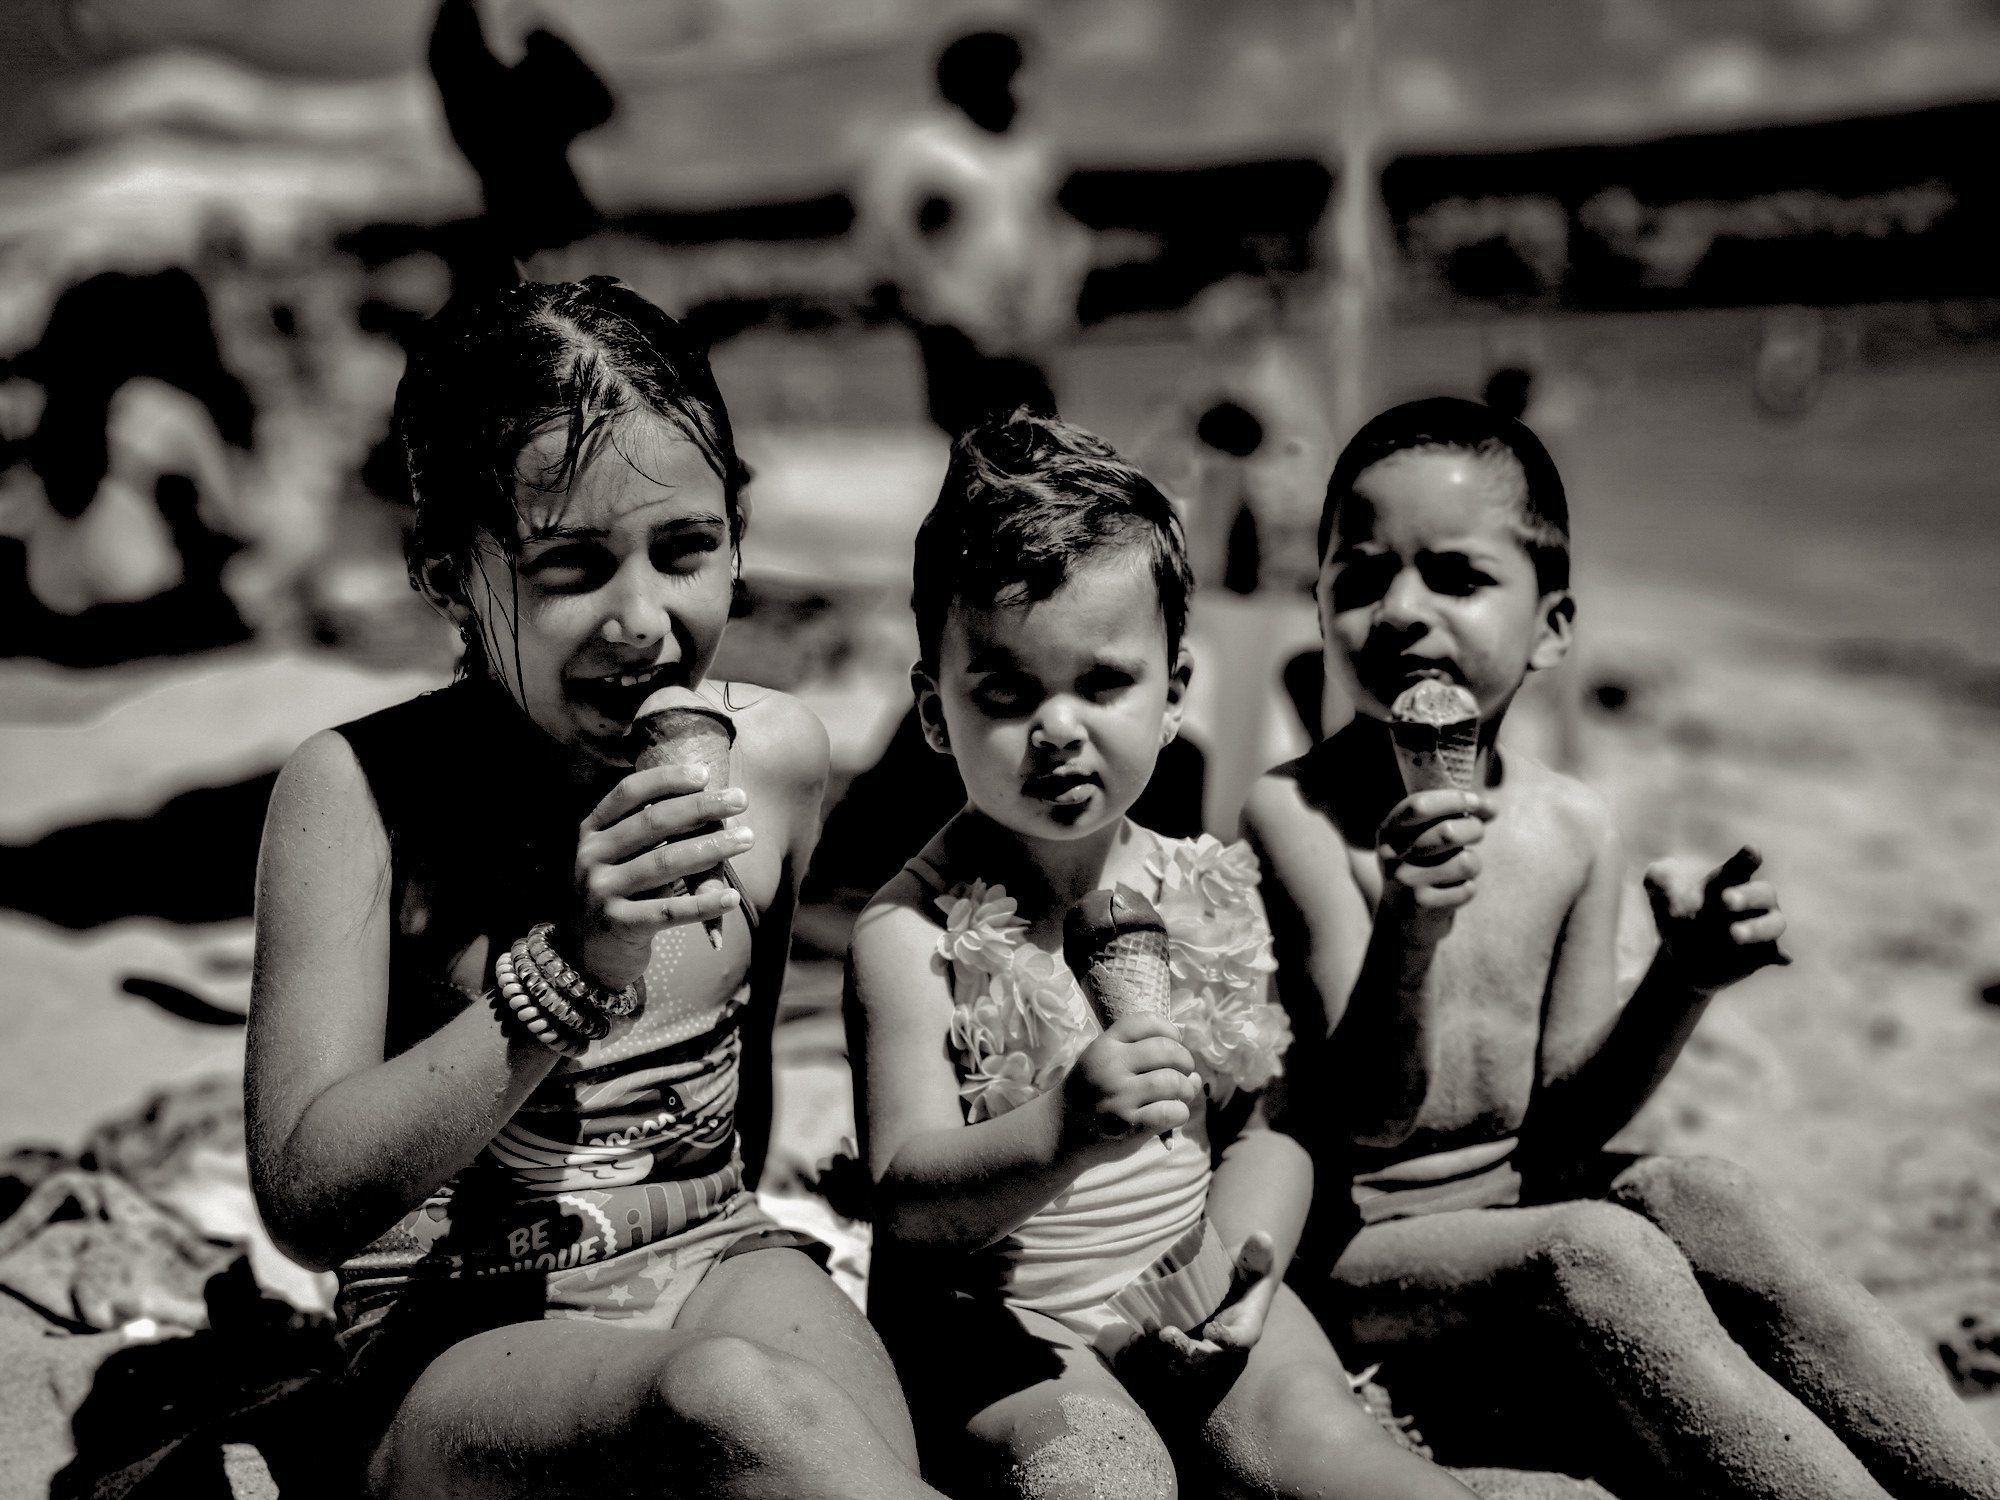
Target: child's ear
(445,592)
(1177,687)
(930,710)
(1558,627)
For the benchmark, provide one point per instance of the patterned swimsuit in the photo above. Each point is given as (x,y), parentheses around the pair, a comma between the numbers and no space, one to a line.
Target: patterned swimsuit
(617,1183)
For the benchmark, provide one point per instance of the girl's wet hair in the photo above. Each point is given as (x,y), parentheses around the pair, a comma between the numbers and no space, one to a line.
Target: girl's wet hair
(488,376)
(1449,422)
(1024,500)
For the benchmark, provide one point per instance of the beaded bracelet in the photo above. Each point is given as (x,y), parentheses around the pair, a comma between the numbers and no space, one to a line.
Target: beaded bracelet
(561,976)
(542,1028)
(586,1020)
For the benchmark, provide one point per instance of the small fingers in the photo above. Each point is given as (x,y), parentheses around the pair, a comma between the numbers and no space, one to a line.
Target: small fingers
(1443,897)
(1757,895)
(1142,1025)
(1767,928)
(1677,889)
(712,900)
(1157,1053)
(669,818)
(1440,839)
(1420,809)
(1738,868)
(1456,870)
(641,787)
(679,859)
(1161,1114)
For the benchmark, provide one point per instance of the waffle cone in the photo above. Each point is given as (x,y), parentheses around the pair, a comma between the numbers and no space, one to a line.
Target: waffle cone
(1116,944)
(1130,976)
(1435,728)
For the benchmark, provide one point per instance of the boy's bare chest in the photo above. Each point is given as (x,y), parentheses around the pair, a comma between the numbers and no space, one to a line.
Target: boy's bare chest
(1489,979)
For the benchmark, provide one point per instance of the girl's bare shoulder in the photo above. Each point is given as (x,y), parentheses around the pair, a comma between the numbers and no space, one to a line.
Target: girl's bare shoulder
(780,737)
(323,778)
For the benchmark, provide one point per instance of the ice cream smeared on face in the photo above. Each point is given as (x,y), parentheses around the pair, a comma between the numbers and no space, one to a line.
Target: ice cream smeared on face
(1435,726)
(1116,945)
(677,726)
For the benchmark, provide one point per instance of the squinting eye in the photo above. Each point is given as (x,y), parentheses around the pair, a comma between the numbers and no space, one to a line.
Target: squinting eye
(1104,682)
(569,569)
(1362,579)
(684,552)
(1449,573)
(1004,695)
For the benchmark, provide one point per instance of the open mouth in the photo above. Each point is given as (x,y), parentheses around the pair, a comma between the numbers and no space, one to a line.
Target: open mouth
(616,696)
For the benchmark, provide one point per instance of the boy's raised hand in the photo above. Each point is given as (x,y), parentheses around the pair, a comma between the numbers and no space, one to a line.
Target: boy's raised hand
(1135,1079)
(1719,927)
(636,842)
(1425,848)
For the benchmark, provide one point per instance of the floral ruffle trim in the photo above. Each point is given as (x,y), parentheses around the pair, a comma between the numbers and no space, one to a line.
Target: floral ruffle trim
(1020,1019)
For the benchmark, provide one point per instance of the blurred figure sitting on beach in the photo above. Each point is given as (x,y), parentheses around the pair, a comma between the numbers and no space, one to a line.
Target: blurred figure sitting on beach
(1451,950)
(959,207)
(126,500)
(508,1073)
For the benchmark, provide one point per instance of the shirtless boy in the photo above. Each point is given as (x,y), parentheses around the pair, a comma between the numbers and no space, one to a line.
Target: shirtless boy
(1460,948)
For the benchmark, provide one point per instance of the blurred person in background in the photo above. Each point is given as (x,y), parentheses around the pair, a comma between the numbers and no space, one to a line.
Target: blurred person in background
(959,206)
(123,500)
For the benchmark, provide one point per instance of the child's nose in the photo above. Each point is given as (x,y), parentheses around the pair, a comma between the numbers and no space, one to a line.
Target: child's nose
(1408,601)
(1058,727)
(636,615)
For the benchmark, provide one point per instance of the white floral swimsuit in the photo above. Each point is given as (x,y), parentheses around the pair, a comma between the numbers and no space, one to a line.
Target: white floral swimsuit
(1019,1019)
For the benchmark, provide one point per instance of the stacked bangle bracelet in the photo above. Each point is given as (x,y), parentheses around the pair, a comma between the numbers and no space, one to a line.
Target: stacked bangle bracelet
(542,1028)
(560,1008)
(584,1019)
(560,976)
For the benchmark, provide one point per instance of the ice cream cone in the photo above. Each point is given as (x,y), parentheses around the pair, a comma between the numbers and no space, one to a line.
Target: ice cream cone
(1435,727)
(1116,945)
(676,726)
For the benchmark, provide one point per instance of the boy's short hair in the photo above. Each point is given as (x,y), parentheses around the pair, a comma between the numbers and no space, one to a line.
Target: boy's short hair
(1024,499)
(1449,422)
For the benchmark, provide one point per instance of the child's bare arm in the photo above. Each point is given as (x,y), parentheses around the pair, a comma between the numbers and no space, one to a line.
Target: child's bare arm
(940,1181)
(341,1141)
(1600,1063)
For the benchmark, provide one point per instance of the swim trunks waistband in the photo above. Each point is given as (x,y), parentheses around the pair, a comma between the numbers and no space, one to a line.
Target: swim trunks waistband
(1480,1176)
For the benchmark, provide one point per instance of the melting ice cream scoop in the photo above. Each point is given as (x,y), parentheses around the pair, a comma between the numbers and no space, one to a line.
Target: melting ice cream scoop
(1435,726)
(1116,945)
(677,726)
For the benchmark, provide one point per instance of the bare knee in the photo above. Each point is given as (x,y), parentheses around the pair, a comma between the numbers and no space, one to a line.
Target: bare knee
(1604,1263)
(1079,1444)
(1700,1188)
(749,1398)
